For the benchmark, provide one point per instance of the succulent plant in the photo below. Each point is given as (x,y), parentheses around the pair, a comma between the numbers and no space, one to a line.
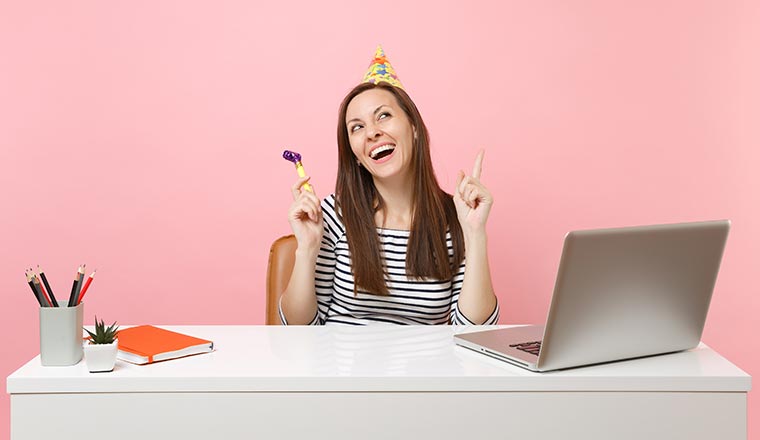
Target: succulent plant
(103,334)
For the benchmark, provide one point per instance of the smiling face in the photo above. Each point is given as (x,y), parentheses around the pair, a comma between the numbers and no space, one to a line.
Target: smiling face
(380,133)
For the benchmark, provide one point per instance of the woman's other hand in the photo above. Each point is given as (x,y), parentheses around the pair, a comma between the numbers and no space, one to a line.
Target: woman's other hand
(305,216)
(473,201)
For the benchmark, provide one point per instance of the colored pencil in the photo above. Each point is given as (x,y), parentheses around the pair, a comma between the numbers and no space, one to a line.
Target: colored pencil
(31,284)
(81,281)
(73,295)
(86,285)
(47,286)
(38,285)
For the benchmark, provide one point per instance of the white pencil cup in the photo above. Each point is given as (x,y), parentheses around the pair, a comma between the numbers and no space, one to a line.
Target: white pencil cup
(61,335)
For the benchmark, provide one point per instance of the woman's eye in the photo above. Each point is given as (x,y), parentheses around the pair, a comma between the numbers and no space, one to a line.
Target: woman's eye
(355,127)
(383,115)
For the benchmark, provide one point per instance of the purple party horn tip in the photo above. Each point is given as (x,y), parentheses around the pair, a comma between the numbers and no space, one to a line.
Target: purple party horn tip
(291,156)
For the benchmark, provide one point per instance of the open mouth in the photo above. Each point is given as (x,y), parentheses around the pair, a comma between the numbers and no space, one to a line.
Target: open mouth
(382,151)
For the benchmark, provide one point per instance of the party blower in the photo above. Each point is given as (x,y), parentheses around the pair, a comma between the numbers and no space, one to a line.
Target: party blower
(294,157)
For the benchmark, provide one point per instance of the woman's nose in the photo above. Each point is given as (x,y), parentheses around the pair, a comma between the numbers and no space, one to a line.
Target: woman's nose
(373,131)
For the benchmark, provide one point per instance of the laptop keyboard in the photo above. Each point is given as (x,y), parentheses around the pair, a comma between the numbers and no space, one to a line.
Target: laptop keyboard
(528,347)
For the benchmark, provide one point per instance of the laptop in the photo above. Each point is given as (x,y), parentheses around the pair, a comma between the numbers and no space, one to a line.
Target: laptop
(619,294)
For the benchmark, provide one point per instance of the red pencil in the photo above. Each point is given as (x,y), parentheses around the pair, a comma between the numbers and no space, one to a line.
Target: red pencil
(86,285)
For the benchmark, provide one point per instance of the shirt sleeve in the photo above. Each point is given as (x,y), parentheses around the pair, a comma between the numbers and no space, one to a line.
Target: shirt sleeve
(457,317)
(325,268)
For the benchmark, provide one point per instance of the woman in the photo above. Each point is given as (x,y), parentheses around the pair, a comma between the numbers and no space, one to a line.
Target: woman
(390,244)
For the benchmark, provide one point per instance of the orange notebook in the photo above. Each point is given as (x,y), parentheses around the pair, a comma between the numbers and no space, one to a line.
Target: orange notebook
(145,344)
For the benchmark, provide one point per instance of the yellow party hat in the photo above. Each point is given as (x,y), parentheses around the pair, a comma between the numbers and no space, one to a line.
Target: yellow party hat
(380,69)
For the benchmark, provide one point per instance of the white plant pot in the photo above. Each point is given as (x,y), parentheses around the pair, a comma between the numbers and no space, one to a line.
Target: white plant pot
(101,357)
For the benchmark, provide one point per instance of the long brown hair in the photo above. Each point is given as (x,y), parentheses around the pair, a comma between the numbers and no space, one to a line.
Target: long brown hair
(433,209)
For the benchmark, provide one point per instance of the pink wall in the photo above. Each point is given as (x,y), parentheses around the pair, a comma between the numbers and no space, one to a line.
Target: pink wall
(144,139)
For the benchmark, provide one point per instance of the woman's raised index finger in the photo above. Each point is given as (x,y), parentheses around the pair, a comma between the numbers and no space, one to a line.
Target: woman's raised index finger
(296,188)
(478,167)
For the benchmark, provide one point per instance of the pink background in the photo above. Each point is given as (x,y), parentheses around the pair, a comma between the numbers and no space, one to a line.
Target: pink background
(144,138)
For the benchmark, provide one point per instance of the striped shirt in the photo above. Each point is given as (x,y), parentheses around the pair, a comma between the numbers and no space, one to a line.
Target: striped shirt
(411,300)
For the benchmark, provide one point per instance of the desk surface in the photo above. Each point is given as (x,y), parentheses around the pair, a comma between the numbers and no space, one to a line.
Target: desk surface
(372,358)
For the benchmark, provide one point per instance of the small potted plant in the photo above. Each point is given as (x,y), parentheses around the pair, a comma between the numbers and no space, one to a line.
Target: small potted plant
(100,351)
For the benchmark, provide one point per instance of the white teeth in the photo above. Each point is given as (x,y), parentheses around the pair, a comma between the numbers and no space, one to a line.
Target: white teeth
(379,150)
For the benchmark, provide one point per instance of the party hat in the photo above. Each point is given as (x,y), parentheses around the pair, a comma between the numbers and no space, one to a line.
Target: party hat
(380,69)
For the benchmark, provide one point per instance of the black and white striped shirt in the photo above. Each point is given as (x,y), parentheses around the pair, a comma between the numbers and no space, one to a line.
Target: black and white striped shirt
(411,301)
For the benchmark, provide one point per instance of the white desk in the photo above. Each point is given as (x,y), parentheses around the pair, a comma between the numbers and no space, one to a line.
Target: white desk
(375,382)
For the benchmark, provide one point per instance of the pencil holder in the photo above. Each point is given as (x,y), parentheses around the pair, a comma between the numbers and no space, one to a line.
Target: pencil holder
(61,335)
